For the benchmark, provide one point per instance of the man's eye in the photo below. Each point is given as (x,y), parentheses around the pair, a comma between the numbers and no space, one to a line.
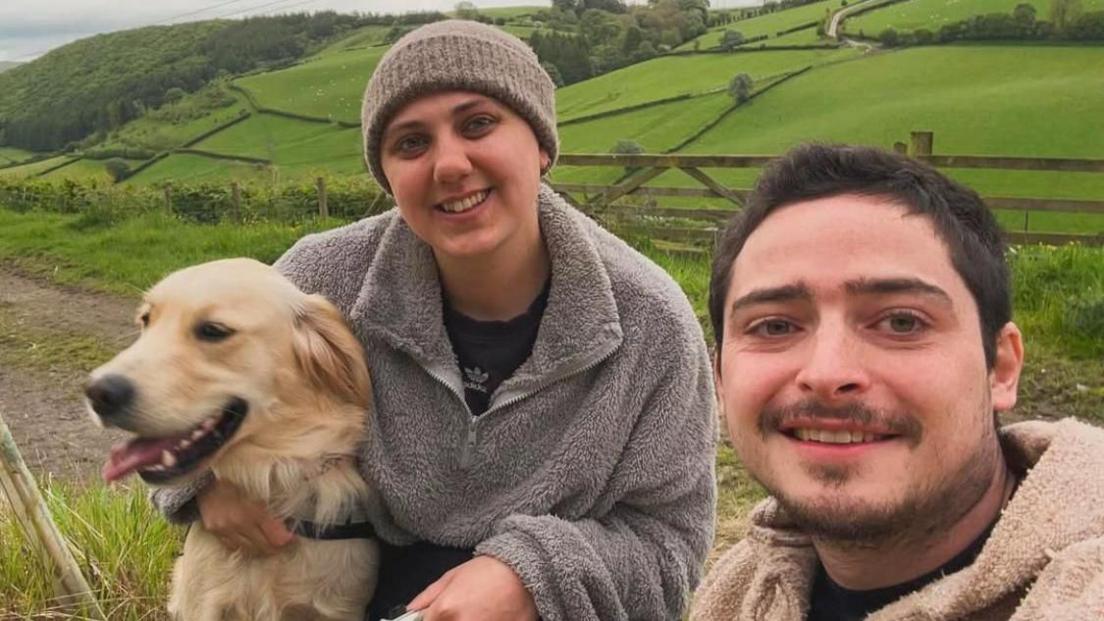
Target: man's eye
(773,327)
(903,323)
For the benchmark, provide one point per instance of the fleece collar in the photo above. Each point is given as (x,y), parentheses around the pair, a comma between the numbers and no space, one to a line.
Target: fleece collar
(400,301)
(1059,502)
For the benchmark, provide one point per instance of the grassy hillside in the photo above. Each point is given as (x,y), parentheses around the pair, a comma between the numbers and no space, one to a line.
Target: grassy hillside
(186,168)
(295,147)
(769,24)
(11,155)
(7,64)
(989,104)
(329,85)
(652,80)
(34,168)
(932,14)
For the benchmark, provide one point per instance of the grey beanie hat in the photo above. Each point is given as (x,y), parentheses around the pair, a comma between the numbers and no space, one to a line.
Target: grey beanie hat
(458,55)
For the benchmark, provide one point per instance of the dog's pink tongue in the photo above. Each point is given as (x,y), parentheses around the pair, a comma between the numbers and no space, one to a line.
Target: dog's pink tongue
(130,456)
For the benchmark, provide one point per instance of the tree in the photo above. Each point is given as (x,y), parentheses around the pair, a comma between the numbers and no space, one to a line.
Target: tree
(739,88)
(467,10)
(731,39)
(1024,14)
(889,38)
(117,168)
(568,6)
(1063,13)
(174,94)
(625,146)
(554,73)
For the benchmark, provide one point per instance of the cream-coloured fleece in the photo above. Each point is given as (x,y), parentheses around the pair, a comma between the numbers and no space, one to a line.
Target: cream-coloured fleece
(1043,561)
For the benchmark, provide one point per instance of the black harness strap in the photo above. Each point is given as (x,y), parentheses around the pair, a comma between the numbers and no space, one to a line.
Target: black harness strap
(348,530)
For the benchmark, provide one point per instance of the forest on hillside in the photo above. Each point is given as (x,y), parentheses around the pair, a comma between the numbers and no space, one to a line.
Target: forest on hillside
(88,88)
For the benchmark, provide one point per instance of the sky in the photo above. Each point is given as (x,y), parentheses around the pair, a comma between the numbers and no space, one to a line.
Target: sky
(30,28)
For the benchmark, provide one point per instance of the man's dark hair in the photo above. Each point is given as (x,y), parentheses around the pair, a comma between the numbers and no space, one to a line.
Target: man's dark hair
(958,214)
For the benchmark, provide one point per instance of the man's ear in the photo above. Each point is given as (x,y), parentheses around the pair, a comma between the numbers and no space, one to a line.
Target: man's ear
(1004,377)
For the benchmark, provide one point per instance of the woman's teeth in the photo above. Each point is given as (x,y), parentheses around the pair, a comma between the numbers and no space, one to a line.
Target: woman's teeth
(465,204)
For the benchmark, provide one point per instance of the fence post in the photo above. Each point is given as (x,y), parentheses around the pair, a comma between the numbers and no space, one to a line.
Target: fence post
(235,195)
(921,143)
(17,483)
(323,208)
(168,198)
(900,148)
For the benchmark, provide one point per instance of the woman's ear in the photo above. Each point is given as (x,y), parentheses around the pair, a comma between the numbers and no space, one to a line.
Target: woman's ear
(545,161)
(328,353)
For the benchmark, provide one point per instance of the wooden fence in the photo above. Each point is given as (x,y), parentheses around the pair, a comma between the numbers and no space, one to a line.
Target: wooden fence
(696,228)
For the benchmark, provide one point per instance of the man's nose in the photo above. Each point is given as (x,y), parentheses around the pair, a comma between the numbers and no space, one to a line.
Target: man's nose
(835,366)
(110,396)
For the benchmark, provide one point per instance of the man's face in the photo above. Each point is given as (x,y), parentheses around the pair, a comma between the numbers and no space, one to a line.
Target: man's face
(852,373)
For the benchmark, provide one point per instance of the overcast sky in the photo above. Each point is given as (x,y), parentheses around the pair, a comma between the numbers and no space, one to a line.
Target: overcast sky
(29,28)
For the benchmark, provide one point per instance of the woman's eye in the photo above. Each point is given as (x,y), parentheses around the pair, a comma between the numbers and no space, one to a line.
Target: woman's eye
(773,327)
(410,144)
(479,125)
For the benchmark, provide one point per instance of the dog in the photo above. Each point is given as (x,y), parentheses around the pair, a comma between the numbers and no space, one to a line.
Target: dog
(239,373)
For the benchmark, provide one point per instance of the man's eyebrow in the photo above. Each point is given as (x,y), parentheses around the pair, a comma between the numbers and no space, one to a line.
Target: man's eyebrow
(889,286)
(785,293)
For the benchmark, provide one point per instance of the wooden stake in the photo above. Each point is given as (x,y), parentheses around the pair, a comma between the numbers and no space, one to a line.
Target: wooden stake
(19,486)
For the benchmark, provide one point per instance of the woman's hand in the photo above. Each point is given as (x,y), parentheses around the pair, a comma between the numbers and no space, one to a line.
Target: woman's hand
(483,589)
(239,523)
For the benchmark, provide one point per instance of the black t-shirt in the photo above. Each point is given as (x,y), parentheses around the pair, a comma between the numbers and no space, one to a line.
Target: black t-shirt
(488,352)
(832,602)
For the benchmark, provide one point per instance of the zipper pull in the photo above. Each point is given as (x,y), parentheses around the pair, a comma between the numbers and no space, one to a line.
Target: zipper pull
(467,456)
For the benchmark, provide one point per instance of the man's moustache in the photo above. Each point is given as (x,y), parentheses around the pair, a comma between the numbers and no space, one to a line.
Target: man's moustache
(771,419)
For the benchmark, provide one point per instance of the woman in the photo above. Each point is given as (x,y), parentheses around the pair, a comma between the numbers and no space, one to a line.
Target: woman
(543,437)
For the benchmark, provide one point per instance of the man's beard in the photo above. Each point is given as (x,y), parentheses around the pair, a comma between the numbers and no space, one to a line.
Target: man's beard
(934,506)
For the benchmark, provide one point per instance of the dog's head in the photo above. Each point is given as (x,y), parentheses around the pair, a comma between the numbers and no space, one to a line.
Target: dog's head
(220,344)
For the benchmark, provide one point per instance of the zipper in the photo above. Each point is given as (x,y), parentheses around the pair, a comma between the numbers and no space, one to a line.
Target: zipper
(467,454)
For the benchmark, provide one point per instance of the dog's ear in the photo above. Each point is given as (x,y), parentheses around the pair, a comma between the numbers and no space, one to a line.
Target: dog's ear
(328,353)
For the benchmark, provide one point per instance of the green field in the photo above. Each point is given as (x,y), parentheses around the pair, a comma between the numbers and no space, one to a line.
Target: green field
(296,147)
(511,12)
(361,37)
(808,36)
(932,14)
(12,155)
(769,24)
(85,170)
(32,169)
(700,73)
(329,86)
(989,105)
(185,168)
(149,132)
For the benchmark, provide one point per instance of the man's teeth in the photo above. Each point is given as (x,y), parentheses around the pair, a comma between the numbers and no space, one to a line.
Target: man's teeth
(835,437)
(464,204)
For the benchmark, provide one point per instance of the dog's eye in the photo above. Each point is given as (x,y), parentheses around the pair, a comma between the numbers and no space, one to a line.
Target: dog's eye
(144,319)
(210,331)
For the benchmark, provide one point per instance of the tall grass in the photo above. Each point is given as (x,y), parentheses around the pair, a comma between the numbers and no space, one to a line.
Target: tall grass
(124,548)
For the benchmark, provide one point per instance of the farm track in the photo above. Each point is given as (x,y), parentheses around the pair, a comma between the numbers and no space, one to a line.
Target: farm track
(43,406)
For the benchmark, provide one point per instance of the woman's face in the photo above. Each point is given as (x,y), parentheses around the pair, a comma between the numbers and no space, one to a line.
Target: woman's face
(465,172)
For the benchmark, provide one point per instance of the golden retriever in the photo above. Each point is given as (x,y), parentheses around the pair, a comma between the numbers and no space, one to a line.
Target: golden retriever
(238,372)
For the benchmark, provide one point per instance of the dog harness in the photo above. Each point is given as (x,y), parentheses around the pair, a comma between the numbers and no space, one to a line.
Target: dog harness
(356,524)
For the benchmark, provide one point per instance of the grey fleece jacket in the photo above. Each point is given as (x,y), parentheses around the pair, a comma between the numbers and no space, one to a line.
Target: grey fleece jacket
(1044,560)
(591,473)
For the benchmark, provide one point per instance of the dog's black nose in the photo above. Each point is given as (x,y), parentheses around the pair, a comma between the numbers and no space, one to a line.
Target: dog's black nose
(110,395)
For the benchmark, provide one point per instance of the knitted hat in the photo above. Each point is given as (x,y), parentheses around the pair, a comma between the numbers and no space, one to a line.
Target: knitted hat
(458,55)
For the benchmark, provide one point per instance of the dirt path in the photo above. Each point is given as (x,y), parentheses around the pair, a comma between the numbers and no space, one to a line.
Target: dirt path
(43,405)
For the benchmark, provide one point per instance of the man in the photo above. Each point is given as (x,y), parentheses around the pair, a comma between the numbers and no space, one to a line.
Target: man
(862,316)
